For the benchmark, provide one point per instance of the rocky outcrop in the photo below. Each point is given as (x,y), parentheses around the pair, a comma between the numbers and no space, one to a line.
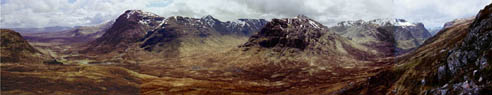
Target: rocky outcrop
(467,70)
(14,49)
(296,33)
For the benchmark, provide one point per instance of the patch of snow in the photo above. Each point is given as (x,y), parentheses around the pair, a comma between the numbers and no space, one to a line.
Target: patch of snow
(384,21)
(391,21)
(149,14)
(129,14)
(142,22)
(162,22)
(239,22)
(209,20)
(474,72)
(403,23)
(313,24)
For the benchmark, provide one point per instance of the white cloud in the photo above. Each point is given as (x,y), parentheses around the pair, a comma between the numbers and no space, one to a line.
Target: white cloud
(43,13)
(436,12)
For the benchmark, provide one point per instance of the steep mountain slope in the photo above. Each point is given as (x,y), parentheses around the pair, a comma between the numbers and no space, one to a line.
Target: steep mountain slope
(455,61)
(129,28)
(148,34)
(460,20)
(434,30)
(389,37)
(14,49)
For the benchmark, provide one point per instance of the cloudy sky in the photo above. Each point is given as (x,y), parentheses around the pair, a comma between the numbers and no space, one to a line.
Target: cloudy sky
(46,13)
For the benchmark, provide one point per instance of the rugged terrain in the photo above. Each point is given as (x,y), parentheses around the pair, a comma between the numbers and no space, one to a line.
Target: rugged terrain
(455,61)
(290,55)
(137,33)
(186,55)
(143,53)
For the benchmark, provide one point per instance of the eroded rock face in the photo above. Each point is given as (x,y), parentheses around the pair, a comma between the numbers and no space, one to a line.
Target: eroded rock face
(468,65)
(293,33)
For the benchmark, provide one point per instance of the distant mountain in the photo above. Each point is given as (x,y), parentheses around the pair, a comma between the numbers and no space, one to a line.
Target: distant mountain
(433,31)
(388,36)
(454,62)
(138,29)
(44,29)
(78,34)
(436,30)
(456,21)
(14,49)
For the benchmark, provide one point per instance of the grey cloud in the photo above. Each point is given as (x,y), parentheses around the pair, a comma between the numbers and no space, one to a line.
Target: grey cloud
(43,13)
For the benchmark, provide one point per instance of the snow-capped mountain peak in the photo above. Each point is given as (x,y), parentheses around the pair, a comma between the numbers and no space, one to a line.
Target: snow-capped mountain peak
(209,20)
(301,16)
(402,22)
(141,17)
(391,21)
(140,13)
(379,22)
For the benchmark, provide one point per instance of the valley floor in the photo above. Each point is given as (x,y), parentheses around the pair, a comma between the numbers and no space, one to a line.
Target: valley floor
(204,73)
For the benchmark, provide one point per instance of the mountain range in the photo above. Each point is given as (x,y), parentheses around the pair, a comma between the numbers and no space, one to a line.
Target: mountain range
(144,53)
